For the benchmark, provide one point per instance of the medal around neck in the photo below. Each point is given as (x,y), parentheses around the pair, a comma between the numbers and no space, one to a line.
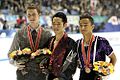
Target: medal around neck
(87,70)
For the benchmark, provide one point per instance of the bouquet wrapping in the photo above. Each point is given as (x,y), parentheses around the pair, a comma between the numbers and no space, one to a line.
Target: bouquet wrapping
(21,55)
(26,55)
(103,68)
(42,57)
(33,61)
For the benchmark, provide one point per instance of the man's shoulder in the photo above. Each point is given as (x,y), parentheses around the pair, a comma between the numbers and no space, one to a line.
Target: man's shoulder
(71,39)
(46,32)
(101,38)
(71,42)
(22,30)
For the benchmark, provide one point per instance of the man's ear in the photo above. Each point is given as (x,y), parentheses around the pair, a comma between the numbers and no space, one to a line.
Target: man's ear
(39,14)
(93,26)
(65,25)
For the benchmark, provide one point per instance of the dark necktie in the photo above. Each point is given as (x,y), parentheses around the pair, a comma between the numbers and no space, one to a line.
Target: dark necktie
(34,35)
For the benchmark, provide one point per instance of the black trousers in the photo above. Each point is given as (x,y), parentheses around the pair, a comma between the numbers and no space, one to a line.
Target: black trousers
(31,75)
(89,76)
(51,77)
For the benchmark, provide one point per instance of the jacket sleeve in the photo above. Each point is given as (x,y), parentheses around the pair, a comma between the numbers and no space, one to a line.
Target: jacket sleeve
(14,46)
(70,70)
(71,65)
(45,36)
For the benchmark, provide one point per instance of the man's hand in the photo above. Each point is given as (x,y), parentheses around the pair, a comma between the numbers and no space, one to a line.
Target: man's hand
(20,65)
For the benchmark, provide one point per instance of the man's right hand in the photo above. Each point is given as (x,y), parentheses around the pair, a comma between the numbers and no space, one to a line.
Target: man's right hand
(20,65)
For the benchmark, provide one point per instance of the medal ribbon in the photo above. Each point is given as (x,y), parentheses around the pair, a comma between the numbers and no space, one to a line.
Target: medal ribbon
(86,58)
(34,47)
(52,56)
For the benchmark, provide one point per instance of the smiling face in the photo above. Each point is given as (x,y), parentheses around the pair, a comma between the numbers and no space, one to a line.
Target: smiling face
(58,25)
(86,26)
(33,16)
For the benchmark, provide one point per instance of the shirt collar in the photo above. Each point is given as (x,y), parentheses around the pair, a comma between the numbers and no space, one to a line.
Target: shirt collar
(31,29)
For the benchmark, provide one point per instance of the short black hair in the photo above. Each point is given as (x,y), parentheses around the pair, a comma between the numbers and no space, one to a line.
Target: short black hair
(61,15)
(87,15)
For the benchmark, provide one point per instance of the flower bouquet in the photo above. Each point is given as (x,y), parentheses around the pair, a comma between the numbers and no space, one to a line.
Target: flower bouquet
(103,68)
(32,60)
(21,55)
(41,55)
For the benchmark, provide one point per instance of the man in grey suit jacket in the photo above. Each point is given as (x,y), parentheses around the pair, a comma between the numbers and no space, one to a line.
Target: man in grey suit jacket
(24,39)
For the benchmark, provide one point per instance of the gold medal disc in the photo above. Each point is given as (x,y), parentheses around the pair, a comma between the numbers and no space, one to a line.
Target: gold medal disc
(87,70)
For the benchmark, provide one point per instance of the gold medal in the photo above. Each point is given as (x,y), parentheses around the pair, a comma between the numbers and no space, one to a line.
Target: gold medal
(86,56)
(87,70)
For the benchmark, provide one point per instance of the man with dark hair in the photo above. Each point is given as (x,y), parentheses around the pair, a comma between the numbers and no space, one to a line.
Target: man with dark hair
(87,15)
(92,48)
(32,36)
(62,16)
(62,64)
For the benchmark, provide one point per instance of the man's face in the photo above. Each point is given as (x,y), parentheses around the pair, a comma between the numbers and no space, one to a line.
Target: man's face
(33,16)
(85,26)
(58,25)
